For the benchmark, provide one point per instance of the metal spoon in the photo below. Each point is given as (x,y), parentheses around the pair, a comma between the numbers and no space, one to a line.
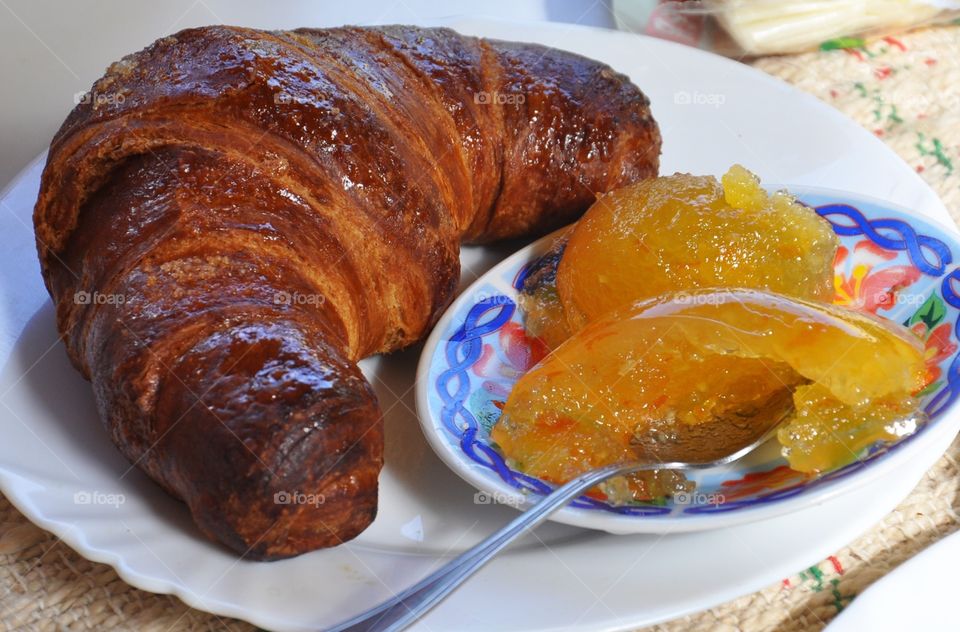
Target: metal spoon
(715,443)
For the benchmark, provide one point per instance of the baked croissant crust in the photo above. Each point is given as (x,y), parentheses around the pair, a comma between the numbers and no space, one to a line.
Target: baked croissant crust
(235,217)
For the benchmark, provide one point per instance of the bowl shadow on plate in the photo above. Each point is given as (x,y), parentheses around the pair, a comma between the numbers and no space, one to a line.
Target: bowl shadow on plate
(66,399)
(414,470)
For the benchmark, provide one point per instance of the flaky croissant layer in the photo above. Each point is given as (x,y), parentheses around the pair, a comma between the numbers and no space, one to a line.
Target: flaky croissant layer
(235,217)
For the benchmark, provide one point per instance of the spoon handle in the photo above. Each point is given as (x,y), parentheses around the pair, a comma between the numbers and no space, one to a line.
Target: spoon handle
(404,608)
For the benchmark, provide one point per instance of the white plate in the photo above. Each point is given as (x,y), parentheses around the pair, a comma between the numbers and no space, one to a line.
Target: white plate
(53,446)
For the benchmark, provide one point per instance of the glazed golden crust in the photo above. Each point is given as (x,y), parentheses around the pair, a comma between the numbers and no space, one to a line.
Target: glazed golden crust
(244,215)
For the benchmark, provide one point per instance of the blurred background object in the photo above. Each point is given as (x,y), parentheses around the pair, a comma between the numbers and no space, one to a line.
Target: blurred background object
(767,27)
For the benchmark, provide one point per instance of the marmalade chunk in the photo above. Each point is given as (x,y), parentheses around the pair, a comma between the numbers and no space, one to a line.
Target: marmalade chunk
(644,376)
(684,232)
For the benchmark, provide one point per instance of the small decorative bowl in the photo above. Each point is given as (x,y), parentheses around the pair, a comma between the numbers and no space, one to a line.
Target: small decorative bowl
(891,262)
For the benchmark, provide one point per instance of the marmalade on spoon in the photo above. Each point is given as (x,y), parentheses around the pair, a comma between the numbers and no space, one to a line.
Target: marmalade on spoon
(664,355)
(630,384)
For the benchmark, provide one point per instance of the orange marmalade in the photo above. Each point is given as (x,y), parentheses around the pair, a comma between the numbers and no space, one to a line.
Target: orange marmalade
(682,301)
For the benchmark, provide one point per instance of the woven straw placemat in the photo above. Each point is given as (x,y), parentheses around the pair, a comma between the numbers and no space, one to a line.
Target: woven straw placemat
(907,91)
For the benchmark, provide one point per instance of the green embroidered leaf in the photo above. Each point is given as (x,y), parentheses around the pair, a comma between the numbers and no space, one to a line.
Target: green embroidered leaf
(843,42)
(931,313)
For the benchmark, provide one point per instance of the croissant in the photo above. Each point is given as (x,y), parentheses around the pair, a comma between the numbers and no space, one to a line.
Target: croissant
(232,218)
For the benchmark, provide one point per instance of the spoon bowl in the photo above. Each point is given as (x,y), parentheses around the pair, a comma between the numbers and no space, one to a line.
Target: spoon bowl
(719,441)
